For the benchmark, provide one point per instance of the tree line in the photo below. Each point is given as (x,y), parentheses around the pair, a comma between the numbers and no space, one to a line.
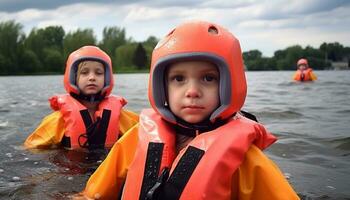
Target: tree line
(45,50)
(318,58)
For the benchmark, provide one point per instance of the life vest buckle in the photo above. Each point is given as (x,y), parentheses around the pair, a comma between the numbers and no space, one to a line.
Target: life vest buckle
(155,190)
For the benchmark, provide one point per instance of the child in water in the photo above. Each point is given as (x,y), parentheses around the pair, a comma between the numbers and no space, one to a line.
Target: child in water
(304,71)
(194,143)
(88,116)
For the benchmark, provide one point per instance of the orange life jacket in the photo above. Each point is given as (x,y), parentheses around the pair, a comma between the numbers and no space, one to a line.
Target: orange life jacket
(202,170)
(80,130)
(303,75)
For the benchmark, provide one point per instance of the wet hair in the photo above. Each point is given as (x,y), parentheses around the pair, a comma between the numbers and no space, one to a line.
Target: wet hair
(80,66)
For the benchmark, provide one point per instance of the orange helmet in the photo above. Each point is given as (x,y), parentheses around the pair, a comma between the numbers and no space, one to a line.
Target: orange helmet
(87,53)
(203,41)
(302,61)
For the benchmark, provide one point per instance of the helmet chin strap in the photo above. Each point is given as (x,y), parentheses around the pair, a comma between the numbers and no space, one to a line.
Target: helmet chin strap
(192,129)
(92,98)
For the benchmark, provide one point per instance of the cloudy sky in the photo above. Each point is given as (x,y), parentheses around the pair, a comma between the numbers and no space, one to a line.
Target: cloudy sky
(259,24)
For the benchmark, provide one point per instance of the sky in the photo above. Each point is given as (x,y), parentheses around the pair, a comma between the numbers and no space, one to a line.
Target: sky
(266,25)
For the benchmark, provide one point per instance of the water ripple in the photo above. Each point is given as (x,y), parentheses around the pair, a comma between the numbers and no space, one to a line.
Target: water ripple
(310,119)
(4,124)
(288,114)
(341,143)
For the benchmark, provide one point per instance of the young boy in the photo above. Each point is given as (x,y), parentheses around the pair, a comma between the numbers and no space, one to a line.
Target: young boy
(194,143)
(87,116)
(304,72)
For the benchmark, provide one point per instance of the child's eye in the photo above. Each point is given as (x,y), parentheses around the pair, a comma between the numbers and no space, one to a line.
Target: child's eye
(209,78)
(84,72)
(177,78)
(99,73)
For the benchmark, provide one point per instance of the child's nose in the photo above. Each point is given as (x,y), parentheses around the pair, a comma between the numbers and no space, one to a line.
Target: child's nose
(92,76)
(193,91)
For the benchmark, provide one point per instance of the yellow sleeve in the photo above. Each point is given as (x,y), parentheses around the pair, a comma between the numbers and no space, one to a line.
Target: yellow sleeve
(106,181)
(259,178)
(313,76)
(48,133)
(295,76)
(127,120)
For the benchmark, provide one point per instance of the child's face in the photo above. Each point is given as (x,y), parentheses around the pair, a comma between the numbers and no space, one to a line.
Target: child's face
(302,67)
(91,78)
(193,90)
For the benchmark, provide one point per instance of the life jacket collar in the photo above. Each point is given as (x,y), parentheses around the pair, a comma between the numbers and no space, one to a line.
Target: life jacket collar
(92,98)
(188,129)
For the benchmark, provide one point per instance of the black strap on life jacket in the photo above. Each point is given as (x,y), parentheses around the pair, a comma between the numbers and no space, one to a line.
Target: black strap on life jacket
(120,193)
(302,77)
(182,173)
(155,191)
(163,187)
(96,132)
(90,98)
(188,129)
(152,165)
(249,115)
(66,142)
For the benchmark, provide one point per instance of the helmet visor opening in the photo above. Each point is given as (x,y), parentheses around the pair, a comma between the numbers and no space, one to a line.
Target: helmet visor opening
(159,90)
(74,71)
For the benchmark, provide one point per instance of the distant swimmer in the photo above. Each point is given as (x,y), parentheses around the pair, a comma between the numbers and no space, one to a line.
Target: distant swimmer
(304,71)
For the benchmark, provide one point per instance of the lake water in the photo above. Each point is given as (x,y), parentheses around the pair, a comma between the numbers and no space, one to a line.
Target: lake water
(311,120)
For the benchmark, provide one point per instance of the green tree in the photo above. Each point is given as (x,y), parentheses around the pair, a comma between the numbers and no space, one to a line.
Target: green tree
(149,45)
(140,58)
(35,43)
(40,41)
(312,52)
(318,63)
(251,59)
(74,40)
(280,54)
(113,37)
(252,55)
(151,41)
(4,65)
(51,36)
(30,62)
(282,63)
(54,37)
(333,51)
(286,59)
(53,60)
(11,46)
(294,53)
(124,55)
(254,61)
(46,49)
(315,58)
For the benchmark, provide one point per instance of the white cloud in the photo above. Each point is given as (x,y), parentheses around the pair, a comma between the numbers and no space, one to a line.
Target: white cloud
(139,13)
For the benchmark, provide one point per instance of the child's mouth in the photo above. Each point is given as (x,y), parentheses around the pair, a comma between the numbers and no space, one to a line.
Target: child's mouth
(91,85)
(193,107)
